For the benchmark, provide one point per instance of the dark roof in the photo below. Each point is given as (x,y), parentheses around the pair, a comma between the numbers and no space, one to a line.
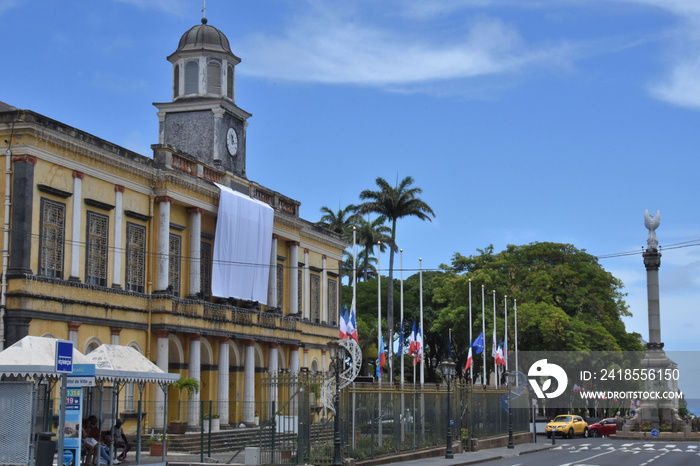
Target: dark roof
(6,107)
(204,37)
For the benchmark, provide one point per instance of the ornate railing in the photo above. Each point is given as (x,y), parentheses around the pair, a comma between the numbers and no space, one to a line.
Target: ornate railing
(184,165)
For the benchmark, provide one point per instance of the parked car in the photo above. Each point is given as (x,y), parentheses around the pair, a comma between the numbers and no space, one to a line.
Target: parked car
(567,425)
(606,426)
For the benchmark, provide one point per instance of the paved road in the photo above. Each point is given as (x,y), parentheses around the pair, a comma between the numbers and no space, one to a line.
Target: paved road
(604,452)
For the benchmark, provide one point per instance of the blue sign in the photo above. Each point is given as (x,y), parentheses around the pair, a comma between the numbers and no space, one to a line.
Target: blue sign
(68,457)
(64,356)
(655,433)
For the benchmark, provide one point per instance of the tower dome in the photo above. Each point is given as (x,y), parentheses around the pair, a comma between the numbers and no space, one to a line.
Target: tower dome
(203,37)
(203,64)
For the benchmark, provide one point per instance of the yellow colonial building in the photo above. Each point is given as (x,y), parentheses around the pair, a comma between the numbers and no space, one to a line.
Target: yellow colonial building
(104,245)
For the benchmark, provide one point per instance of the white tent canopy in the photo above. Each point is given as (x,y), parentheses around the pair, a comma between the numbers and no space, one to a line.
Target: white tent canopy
(34,357)
(117,363)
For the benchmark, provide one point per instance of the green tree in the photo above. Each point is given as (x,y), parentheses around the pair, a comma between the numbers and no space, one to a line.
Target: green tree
(566,300)
(394,203)
(340,222)
(369,234)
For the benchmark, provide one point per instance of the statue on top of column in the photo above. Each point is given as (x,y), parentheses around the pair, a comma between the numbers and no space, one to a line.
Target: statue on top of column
(652,223)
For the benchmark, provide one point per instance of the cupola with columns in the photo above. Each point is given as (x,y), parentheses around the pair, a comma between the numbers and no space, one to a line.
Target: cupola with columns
(203,120)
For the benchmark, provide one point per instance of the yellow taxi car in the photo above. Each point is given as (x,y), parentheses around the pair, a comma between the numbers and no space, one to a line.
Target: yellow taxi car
(567,425)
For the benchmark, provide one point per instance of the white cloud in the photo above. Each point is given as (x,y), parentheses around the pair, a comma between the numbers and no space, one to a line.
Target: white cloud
(682,86)
(173,7)
(325,46)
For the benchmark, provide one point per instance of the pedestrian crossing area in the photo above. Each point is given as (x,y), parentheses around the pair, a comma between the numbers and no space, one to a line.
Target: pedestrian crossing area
(633,448)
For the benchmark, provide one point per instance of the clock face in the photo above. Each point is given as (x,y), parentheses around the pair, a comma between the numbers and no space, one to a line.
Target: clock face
(232,141)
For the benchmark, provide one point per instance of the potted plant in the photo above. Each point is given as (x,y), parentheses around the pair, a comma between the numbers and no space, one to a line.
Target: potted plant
(191,386)
(256,419)
(158,443)
(215,422)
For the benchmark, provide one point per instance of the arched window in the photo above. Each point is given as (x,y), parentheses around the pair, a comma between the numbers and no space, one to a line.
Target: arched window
(214,77)
(176,81)
(192,77)
(229,82)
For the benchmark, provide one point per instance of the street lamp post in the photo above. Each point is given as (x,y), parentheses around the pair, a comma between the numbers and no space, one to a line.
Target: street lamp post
(448,370)
(510,381)
(336,365)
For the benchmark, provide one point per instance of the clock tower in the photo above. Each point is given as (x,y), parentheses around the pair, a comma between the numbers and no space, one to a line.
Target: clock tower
(203,120)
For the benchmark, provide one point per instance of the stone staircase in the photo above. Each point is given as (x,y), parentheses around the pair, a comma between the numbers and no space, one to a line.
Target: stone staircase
(230,440)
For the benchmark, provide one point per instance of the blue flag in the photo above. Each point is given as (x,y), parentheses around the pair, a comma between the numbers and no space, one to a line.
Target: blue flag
(401,341)
(479,344)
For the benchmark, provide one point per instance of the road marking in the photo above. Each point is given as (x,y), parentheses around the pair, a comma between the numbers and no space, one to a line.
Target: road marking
(692,447)
(585,459)
(670,446)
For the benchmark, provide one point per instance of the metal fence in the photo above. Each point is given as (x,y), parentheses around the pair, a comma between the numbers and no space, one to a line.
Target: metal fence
(387,420)
(294,427)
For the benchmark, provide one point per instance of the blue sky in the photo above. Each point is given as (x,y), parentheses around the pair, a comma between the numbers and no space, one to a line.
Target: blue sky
(522,120)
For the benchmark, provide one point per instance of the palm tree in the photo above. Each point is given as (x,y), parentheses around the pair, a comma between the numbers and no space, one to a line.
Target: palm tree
(368,235)
(394,203)
(188,384)
(340,222)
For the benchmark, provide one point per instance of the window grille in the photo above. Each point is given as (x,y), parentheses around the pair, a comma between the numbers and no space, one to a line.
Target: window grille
(135,257)
(333,301)
(300,292)
(315,298)
(229,82)
(192,77)
(174,266)
(176,81)
(97,245)
(214,77)
(280,286)
(205,269)
(51,241)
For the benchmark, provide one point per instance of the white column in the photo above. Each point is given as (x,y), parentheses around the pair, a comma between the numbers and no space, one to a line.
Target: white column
(114,339)
(162,363)
(293,359)
(272,284)
(324,292)
(272,368)
(73,334)
(293,277)
(194,373)
(306,358)
(163,241)
(307,286)
(77,210)
(195,250)
(218,128)
(324,367)
(222,394)
(249,383)
(118,250)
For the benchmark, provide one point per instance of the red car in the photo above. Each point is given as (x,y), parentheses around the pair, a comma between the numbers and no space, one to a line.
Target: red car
(603,427)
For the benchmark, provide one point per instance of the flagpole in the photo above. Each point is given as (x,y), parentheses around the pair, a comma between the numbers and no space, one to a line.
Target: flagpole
(354,267)
(483,329)
(505,345)
(422,363)
(379,333)
(471,341)
(379,310)
(495,334)
(401,337)
(420,351)
(515,308)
